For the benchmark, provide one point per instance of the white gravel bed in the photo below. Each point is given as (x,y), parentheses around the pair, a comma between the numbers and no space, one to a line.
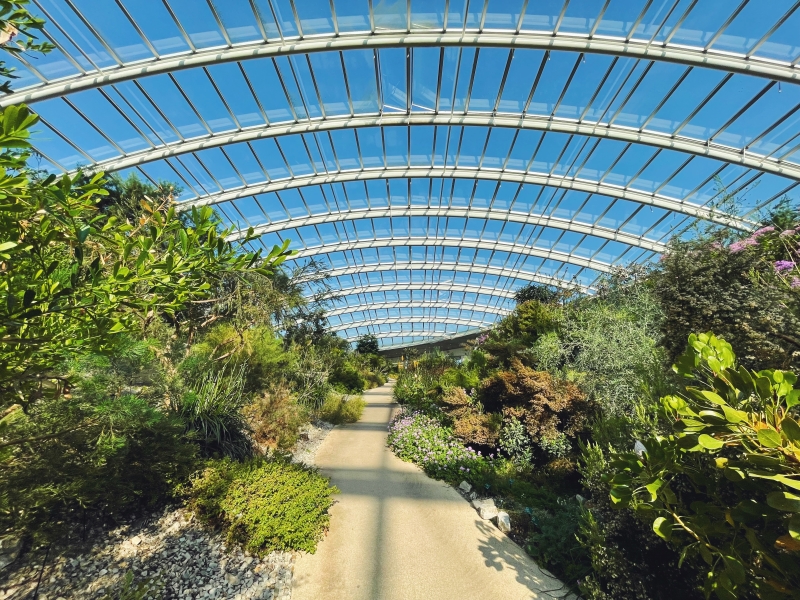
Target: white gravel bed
(180,558)
(311,437)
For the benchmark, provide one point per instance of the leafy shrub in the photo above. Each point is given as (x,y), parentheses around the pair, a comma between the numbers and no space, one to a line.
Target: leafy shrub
(213,415)
(478,429)
(414,389)
(224,347)
(373,380)
(553,540)
(724,486)
(346,378)
(628,560)
(557,446)
(514,441)
(264,505)
(341,408)
(517,332)
(275,417)
(707,286)
(119,456)
(545,405)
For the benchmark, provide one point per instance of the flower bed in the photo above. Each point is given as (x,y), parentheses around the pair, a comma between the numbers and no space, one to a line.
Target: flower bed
(423,440)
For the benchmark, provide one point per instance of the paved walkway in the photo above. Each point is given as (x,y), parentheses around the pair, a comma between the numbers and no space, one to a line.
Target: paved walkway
(398,535)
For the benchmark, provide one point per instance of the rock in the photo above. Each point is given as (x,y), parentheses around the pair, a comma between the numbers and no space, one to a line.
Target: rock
(503,522)
(473,495)
(486,508)
(231,579)
(465,487)
(488,512)
(136,540)
(10,547)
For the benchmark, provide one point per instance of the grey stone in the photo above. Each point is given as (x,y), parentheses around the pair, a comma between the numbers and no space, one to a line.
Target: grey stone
(503,522)
(10,547)
(465,487)
(486,508)
(487,512)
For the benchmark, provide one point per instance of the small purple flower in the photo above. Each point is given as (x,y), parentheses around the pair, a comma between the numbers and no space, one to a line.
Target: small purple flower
(795,282)
(781,266)
(787,233)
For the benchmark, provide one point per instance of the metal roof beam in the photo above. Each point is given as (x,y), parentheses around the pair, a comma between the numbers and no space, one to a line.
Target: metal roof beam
(445,266)
(453,287)
(642,49)
(558,181)
(499,246)
(401,320)
(344,310)
(463,212)
(571,127)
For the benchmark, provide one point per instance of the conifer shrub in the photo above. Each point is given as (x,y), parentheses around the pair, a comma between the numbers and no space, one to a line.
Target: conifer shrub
(263,504)
(546,406)
(275,417)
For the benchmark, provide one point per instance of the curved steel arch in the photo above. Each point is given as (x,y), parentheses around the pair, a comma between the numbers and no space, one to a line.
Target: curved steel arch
(613,132)
(429,337)
(401,320)
(437,266)
(698,57)
(562,257)
(344,310)
(546,180)
(476,213)
(454,287)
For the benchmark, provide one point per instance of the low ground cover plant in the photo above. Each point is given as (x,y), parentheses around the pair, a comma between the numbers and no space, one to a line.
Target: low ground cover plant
(263,504)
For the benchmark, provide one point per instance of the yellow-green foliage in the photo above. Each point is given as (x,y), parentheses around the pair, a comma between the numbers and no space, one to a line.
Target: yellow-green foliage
(259,347)
(341,408)
(374,379)
(264,504)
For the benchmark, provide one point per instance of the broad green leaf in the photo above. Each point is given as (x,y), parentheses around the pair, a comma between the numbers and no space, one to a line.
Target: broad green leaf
(710,443)
(712,397)
(794,527)
(663,528)
(735,569)
(792,398)
(769,438)
(653,488)
(734,416)
(791,430)
(784,501)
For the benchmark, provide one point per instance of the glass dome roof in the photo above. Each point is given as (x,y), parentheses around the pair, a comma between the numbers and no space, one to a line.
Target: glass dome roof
(437,154)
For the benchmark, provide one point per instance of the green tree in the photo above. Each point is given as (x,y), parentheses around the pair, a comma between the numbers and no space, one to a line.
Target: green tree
(74,278)
(367,344)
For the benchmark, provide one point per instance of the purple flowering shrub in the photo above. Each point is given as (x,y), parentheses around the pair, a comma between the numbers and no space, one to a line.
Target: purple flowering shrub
(747,292)
(423,440)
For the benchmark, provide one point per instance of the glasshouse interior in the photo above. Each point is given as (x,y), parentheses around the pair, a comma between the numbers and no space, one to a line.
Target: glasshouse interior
(400,299)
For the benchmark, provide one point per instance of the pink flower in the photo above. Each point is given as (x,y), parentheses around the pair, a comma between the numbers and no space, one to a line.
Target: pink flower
(763,230)
(795,282)
(741,245)
(787,233)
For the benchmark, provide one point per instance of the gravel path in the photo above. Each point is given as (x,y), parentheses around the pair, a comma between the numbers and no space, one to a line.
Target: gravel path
(177,556)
